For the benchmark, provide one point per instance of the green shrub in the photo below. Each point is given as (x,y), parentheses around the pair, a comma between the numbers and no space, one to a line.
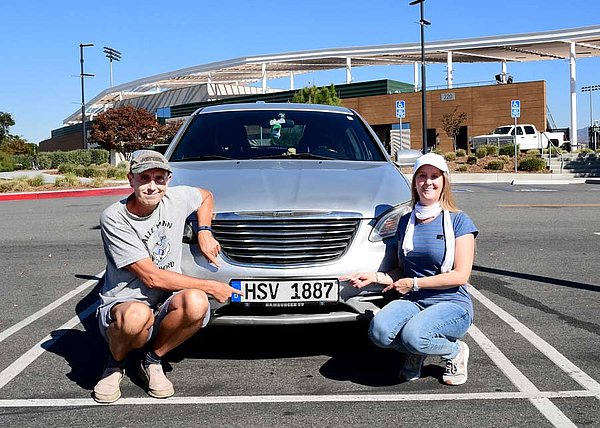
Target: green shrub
(481,152)
(25,160)
(508,150)
(460,153)
(7,162)
(68,180)
(44,161)
(504,158)
(67,167)
(532,164)
(123,165)
(496,165)
(534,152)
(472,160)
(116,173)
(99,156)
(553,151)
(450,156)
(461,168)
(491,150)
(36,181)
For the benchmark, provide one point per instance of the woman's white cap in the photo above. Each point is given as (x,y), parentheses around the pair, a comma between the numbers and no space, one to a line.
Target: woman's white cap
(433,160)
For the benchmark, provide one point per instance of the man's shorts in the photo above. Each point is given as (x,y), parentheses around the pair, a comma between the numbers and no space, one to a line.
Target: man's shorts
(105,318)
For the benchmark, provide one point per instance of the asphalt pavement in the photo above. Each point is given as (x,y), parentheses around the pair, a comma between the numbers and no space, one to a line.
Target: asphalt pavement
(534,342)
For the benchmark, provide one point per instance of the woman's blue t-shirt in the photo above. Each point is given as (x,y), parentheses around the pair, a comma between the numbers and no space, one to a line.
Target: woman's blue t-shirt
(428,255)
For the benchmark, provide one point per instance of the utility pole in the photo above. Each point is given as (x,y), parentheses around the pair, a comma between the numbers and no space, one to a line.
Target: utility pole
(423,22)
(83,76)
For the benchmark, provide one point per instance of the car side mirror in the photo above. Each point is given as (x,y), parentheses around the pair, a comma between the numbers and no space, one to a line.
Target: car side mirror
(407,157)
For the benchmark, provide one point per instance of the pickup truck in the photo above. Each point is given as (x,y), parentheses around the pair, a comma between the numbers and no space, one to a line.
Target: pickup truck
(527,137)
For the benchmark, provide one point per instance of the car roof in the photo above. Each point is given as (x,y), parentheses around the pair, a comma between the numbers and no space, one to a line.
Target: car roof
(273,106)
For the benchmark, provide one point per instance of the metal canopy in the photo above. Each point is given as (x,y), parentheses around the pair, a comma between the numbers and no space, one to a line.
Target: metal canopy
(548,45)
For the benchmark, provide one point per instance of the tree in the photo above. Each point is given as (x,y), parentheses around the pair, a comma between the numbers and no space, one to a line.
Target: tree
(6,121)
(451,123)
(314,95)
(125,129)
(15,145)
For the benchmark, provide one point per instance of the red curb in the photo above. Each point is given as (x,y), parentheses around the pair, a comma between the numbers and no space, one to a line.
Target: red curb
(51,194)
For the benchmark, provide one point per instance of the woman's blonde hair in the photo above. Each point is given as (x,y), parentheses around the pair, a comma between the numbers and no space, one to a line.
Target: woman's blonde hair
(446,198)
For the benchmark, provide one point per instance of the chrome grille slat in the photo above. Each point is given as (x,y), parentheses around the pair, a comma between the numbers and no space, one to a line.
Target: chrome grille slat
(290,232)
(284,241)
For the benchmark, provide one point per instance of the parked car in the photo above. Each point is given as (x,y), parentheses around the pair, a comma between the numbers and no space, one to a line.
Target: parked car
(527,138)
(303,194)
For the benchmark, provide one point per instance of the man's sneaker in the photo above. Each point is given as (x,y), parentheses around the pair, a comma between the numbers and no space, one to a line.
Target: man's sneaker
(411,368)
(108,389)
(456,368)
(158,384)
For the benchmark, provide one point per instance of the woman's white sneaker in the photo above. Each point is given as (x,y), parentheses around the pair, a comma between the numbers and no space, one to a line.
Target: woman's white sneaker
(455,372)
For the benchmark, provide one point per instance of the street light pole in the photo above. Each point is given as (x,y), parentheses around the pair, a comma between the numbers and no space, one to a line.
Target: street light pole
(112,54)
(423,22)
(83,76)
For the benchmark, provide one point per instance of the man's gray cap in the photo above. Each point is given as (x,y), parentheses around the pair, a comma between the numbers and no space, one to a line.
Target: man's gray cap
(143,160)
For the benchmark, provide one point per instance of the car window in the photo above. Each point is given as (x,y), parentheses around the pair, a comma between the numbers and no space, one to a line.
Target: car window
(529,130)
(260,134)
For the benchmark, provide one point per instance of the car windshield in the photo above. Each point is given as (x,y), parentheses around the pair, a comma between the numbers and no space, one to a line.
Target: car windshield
(276,134)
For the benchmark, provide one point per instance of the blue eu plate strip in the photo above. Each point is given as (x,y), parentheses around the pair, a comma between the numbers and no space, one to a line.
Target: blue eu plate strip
(236,297)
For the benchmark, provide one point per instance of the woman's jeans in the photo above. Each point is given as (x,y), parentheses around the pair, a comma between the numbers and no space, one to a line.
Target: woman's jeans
(408,328)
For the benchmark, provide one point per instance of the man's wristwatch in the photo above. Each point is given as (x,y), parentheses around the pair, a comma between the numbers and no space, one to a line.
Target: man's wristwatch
(201,228)
(415,286)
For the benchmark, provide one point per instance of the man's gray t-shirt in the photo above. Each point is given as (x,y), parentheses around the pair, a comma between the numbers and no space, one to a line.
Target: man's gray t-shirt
(128,238)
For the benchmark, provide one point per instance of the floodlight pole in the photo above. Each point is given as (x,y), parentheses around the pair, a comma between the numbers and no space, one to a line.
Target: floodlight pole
(423,22)
(112,54)
(83,75)
(590,89)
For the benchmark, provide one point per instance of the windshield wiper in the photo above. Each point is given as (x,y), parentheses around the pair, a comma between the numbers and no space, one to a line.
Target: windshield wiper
(201,158)
(286,155)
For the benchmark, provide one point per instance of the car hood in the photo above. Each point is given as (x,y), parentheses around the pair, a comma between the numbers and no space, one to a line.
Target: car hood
(368,188)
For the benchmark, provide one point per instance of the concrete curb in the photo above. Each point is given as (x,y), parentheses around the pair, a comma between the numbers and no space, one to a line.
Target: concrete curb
(51,194)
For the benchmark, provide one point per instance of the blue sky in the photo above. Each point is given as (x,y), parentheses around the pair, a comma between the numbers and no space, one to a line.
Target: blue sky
(39,41)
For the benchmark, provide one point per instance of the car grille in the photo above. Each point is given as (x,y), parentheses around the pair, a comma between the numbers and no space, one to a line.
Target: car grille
(284,242)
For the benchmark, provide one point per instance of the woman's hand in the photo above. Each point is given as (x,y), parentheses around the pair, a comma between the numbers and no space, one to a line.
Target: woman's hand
(360,280)
(209,246)
(402,286)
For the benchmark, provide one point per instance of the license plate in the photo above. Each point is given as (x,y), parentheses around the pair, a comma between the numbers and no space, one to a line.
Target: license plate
(288,291)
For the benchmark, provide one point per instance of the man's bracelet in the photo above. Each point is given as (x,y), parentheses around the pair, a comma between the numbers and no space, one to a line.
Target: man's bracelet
(201,228)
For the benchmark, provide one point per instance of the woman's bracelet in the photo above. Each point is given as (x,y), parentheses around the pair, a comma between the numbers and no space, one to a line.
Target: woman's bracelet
(377,278)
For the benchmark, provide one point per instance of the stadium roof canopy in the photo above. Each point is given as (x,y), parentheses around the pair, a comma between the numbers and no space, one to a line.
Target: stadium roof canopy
(548,45)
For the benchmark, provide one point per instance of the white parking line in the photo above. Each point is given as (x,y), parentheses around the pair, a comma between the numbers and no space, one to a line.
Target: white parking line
(24,323)
(548,350)
(267,399)
(30,356)
(544,405)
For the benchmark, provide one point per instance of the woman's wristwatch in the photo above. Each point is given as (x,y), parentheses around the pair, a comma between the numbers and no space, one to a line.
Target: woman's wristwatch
(415,286)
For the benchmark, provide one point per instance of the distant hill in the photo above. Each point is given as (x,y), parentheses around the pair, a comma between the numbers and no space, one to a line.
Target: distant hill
(582,135)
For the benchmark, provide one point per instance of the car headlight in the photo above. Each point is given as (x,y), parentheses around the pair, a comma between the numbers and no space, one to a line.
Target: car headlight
(387,224)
